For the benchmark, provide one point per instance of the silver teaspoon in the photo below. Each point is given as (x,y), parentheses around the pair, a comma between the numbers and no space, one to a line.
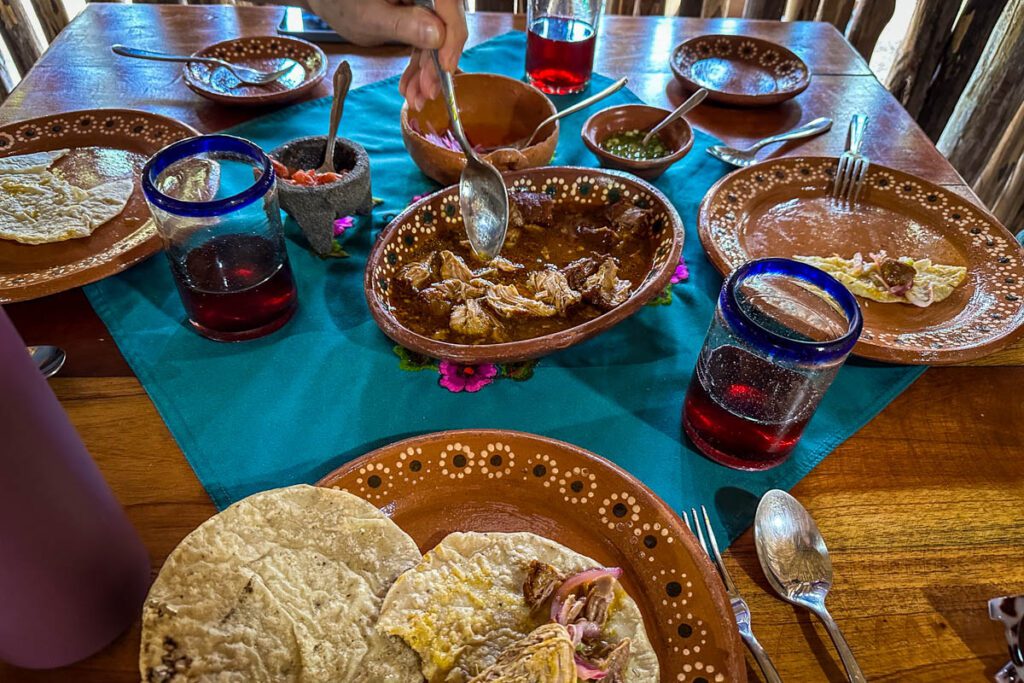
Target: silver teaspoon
(342,80)
(683,109)
(483,197)
(747,157)
(579,106)
(795,560)
(49,359)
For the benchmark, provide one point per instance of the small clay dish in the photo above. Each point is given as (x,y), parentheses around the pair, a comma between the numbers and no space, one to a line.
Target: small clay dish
(677,136)
(496,111)
(265,53)
(396,247)
(315,208)
(740,70)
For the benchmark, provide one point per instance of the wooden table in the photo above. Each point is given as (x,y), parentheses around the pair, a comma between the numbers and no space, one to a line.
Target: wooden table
(920,508)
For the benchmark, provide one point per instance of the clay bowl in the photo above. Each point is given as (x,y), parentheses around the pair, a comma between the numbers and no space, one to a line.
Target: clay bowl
(677,136)
(496,110)
(396,245)
(258,52)
(315,208)
(740,70)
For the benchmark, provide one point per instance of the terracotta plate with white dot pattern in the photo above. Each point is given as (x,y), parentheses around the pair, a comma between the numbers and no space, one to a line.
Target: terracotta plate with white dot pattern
(29,271)
(495,480)
(264,53)
(566,185)
(740,70)
(782,208)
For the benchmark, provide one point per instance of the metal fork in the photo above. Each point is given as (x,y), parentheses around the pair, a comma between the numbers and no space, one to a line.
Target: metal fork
(739,605)
(243,73)
(853,166)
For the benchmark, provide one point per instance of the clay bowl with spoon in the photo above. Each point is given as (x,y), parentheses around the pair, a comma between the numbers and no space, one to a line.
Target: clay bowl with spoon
(660,138)
(305,196)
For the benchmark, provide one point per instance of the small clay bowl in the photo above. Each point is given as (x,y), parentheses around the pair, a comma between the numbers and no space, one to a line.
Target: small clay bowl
(265,53)
(740,70)
(396,245)
(315,208)
(495,110)
(677,136)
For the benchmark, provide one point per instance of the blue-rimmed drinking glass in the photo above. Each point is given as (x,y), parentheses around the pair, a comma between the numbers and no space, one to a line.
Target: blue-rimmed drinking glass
(781,331)
(214,199)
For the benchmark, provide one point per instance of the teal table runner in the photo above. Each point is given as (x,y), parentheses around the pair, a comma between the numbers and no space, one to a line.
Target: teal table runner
(330,386)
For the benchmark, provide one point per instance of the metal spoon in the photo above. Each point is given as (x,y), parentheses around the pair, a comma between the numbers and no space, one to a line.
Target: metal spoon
(483,197)
(746,157)
(683,109)
(342,80)
(582,104)
(242,73)
(49,359)
(795,560)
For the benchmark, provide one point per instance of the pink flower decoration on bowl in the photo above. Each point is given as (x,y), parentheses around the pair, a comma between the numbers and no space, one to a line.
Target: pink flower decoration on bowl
(416,198)
(682,273)
(471,378)
(342,224)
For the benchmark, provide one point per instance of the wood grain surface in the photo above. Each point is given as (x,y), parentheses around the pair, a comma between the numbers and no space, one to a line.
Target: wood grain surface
(921,508)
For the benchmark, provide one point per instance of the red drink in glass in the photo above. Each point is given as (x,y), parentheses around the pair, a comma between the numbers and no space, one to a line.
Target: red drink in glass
(560,54)
(731,416)
(246,297)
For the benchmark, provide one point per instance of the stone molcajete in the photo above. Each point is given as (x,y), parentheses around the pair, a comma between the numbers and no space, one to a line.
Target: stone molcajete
(314,208)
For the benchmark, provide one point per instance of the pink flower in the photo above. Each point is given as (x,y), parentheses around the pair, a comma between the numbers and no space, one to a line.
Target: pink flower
(471,378)
(416,198)
(682,273)
(342,224)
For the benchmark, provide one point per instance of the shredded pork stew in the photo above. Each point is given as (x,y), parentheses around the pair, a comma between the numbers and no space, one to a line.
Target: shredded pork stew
(562,264)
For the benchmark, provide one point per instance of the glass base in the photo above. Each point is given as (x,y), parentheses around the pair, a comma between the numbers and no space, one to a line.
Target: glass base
(723,458)
(245,335)
(549,89)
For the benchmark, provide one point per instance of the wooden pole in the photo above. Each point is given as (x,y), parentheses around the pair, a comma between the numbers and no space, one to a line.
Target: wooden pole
(690,8)
(1001,183)
(866,24)
(17,33)
(801,10)
(987,113)
(714,8)
(835,12)
(52,17)
(764,9)
(970,35)
(931,29)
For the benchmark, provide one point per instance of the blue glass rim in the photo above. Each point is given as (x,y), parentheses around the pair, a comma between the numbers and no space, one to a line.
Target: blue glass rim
(194,146)
(786,347)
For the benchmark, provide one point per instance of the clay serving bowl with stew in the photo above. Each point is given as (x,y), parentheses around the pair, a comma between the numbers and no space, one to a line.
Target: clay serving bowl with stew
(677,137)
(633,226)
(497,112)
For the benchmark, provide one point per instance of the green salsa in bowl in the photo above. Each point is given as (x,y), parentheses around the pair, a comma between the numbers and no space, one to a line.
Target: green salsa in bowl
(615,136)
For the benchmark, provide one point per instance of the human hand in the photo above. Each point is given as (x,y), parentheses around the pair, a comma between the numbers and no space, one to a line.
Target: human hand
(373,22)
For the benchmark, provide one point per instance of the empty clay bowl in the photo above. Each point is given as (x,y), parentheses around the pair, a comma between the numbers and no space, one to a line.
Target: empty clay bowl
(495,110)
(677,136)
(740,70)
(315,208)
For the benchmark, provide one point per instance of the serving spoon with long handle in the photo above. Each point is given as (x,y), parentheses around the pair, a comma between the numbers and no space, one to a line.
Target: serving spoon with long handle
(244,74)
(483,197)
(342,80)
(747,157)
(582,104)
(793,556)
(682,110)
